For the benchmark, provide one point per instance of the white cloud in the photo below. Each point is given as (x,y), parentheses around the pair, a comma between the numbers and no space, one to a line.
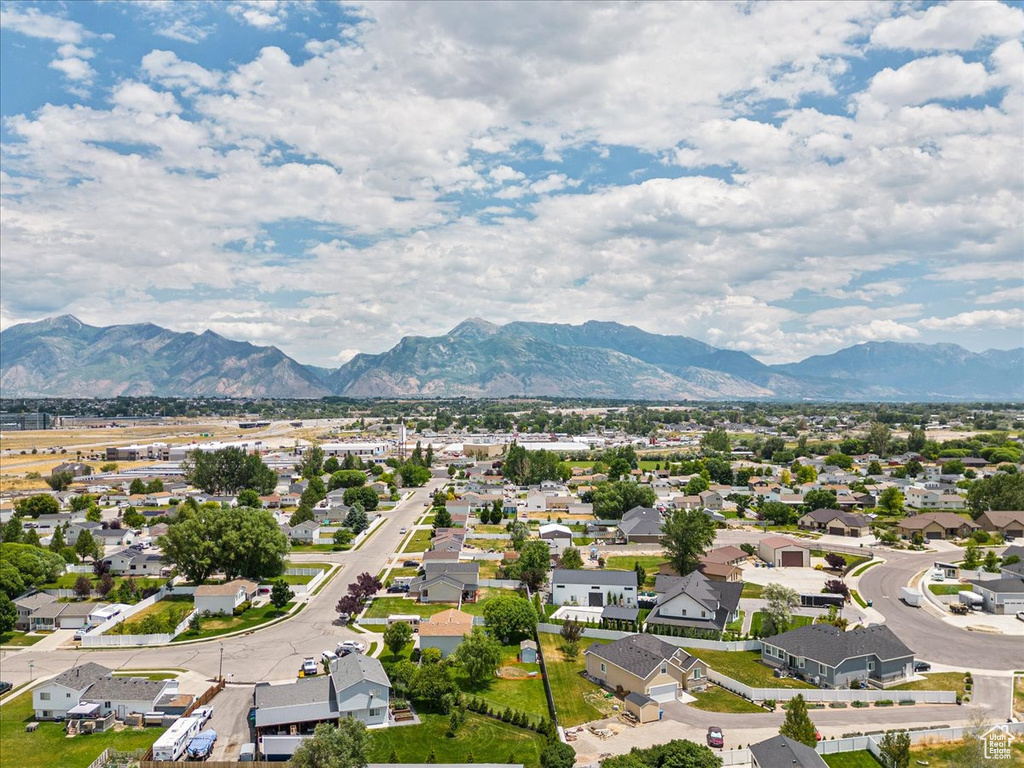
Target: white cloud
(35,23)
(504,173)
(979,318)
(262,14)
(139,97)
(924,80)
(75,69)
(1008,295)
(953,26)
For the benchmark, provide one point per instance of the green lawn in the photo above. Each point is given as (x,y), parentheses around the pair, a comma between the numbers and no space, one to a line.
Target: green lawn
(382,607)
(19,639)
(935,681)
(649,563)
(168,611)
(858,599)
(960,754)
(752,590)
(314,547)
(757,622)
(48,746)
(717,699)
(745,667)
(860,759)
(859,571)
(212,626)
(736,626)
(852,561)
(948,589)
(577,700)
(525,694)
(418,542)
(396,572)
(485,739)
(67,581)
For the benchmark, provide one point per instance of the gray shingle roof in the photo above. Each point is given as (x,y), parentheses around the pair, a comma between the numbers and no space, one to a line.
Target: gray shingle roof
(304,690)
(639,654)
(81,677)
(125,689)
(1011,584)
(640,700)
(831,646)
(350,669)
(784,752)
(641,521)
(850,519)
(603,578)
(620,613)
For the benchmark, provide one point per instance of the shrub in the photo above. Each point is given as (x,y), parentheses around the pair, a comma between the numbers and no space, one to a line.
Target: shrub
(242,608)
(860,704)
(907,702)
(837,705)
(883,703)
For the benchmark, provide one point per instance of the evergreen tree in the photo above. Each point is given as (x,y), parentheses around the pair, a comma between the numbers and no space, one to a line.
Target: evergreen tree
(798,725)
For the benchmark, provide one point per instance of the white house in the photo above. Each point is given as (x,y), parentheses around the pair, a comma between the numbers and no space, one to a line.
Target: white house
(91,689)
(216,599)
(307,532)
(593,588)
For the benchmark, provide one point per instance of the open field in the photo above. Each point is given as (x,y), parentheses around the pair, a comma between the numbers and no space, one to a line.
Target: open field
(48,746)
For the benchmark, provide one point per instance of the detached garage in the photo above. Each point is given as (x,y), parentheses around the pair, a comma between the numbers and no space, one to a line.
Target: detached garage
(645,709)
(781,552)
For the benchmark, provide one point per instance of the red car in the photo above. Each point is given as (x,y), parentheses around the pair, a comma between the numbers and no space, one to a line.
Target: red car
(715,737)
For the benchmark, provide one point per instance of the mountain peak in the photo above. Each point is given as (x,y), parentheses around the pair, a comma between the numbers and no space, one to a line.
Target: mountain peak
(474,328)
(62,321)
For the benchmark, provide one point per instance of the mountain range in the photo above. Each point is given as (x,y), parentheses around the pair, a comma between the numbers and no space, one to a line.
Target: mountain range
(63,357)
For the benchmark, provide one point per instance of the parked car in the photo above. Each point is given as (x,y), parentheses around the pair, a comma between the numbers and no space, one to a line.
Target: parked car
(354,645)
(716,738)
(411,564)
(403,530)
(203,713)
(309,667)
(398,589)
(1020,615)
(922,666)
(328,656)
(5,686)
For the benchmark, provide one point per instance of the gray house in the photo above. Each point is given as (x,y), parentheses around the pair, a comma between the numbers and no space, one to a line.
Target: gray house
(834,658)
(784,752)
(640,525)
(446,582)
(695,602)
(1001,596)
(356,686)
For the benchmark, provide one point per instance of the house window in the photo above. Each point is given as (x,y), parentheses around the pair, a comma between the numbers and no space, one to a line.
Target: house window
(696,673)
(871,666)
(375,713)
(703,614)
(800,662)
(664,668)
(603,668)
(44,696)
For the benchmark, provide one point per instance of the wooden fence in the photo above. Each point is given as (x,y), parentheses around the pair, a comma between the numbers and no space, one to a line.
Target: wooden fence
(212,691)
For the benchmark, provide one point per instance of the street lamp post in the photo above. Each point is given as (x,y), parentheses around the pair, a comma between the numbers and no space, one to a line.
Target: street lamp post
(220,671)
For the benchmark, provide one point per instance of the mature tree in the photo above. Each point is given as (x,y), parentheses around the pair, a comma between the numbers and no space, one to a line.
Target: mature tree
(479,654)
(227,471)
(806,474)
(1001,491)
(716,440)
(835,561)
(8,614)
(892,500)
(280,594)
(878,438)
(798,725)
(558,755)
(83,586)
(57,539)
(432,683)
(686,535)
(34,506)
(11,531)
(916,439)
(192,544)
(874,468)
(772,446)
(510,617)
(341,746)
(133,518)
(819,499)
(303,514)
(31,537)
(81,502)
(94,515)
(442,518)
(348,604)
(641,574)
(311,464)
(836,587)
(679,753)
(613,499)
(571,560)
(414,475)
(86,546)
(519,531)
(105,584)
(780,602)
(895,749)
(363,495)
(396,636)
(571,633)
(156,485)
(839,460)
(331,465)
(252,545)
(991,562)
(357,520)
(696,485)
(247,497)
(60,481)
(137,487)
(532,565)
(346,478)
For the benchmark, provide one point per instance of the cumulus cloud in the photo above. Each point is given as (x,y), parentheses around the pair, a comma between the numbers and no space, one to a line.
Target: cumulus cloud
(979,318)
(35,23)
(924,80)
(953,26)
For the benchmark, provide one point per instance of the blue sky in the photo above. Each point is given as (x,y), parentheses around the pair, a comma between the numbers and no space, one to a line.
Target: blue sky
(329,177)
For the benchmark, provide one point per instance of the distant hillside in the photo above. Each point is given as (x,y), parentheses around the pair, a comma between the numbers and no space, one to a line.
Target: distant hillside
(64,357)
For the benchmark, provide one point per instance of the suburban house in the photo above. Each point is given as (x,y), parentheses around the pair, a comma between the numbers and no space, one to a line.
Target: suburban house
(90,689)
(695,602)
(446,582)
(28,605)
(306,532)
(593,588)
(557,537)
(1015,568)
(781,552)
(645,665)
(355,686)
(834,658)
(932,498)
(640,525)
(783,752)
(1005,523)
(722,564)
(1001,596)
(712,500)
(214,599)
(445,631)
(129,562)
(73,468)
(62,615)
(835,522)
(937,525)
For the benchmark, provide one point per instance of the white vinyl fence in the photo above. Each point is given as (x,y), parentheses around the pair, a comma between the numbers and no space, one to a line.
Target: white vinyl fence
(829,695)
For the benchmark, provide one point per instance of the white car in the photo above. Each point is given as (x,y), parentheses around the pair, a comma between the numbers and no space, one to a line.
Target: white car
(1020,615)
(404,530)
(328,656)
(309,667)
(352,645)
(204,714)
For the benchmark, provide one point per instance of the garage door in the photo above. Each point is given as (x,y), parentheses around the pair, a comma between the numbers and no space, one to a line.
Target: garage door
(596,599)
(933,535)
(792,559)
(1017,533)
(663,692)
(836,532)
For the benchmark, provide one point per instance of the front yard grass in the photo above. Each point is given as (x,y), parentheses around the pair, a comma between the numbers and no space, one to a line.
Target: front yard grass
(717,699)
(577,700)
(852,561)
(935,681)
(860,759)
(212,626)
(745,667)
(382,607)
(19,639)
(752,590)
(169,611)
(864,567)
(48,746)
(418,542)
(948,589)
(757,622)
(484,739)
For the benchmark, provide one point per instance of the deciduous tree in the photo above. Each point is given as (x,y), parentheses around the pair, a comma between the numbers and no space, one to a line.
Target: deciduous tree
(686,535)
